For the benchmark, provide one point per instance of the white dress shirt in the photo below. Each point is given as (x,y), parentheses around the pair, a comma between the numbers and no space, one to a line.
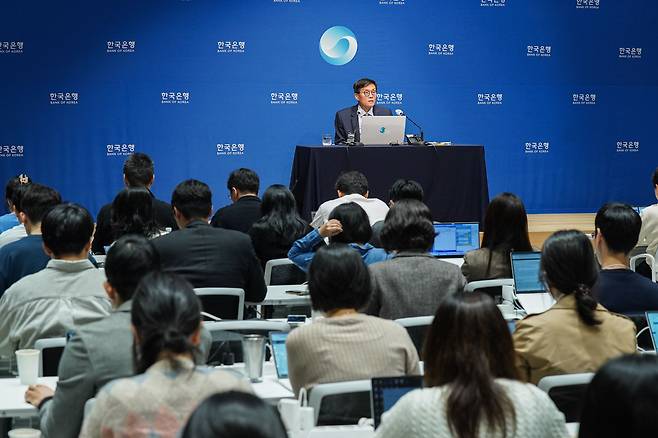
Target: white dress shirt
(12,235)
(361,113)
(375,208)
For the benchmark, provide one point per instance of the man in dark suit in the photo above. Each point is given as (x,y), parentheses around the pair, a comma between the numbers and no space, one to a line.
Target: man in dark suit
(138,171)
(207,256)
(243,187)
(348,120)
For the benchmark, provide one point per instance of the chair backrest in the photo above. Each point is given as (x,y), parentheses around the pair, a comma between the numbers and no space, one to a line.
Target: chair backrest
(567,392)
(649,259)
(340,403)
(227,336)
(51,353)
(222,302)
(483,284)
(283,271)
(417,327)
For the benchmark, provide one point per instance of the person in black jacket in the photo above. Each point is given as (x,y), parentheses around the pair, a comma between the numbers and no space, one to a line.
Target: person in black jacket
(243,187)
(138,171)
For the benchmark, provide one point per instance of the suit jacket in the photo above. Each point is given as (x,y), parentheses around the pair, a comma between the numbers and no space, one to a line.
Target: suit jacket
(476,262)
(239,216)
(213,257)
(347,121)
(558,342)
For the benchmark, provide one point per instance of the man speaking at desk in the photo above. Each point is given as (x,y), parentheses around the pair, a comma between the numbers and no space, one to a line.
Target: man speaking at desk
(348,120)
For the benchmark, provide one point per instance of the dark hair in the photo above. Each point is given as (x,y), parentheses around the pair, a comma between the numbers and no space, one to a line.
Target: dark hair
(193,199)
(654,177)
(13,183)
(467,346)
(17,195)
(66,229)
(37,201)
(405,189)
(568,265)
(128,260)
(362,83)
(338,279)
(234,414)
(620,225)
(352,182)
(408,227)
(355,222)
(165,313)
(132,213)
(279,214)
(622,399)
(245,180)
(505,226)
(138,170)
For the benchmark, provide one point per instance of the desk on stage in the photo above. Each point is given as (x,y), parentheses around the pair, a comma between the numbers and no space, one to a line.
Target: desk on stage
(454,178)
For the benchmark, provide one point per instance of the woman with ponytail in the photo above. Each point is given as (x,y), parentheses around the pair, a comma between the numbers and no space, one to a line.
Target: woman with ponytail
(166,323)
(577,334)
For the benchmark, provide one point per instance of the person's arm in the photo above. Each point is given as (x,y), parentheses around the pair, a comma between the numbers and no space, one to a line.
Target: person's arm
(374,304)
(4,271)
(102,233)
(413,362)
(466,267)
(216,220)
(296,362)
(303,250)
(340,135)
(255,289)
(522,346)
(6,323)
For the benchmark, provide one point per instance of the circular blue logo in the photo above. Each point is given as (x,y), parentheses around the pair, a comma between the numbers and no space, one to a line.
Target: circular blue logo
(338,45)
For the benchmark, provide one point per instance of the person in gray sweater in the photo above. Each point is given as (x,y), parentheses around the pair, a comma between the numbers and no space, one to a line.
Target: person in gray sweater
(412,283)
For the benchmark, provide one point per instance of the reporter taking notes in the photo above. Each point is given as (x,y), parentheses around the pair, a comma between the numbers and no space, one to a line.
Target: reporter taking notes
(348,120)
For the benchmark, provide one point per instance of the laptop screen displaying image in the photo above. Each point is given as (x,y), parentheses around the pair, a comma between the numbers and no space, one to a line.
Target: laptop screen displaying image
(278,340)
(525,271)
(456,239)
(386,391)
(652,323)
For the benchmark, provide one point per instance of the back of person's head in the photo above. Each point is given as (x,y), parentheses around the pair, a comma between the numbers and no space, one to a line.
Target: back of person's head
(506,225)
(279,211)
(405,189)
(234,414)
(619,225)
(138,170)
(408,227)
(165,314)
(355,222)
(622,399)
(37,200)
(17,195)
(13,183)
(654,177)
(338,279)
(66,229)
(128,260)
(132,212)
(244,180)
(193,199)
(352,182)
(568,265)
(467,346)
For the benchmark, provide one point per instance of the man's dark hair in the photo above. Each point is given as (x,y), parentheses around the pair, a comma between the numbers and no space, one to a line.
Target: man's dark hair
(138,170)
(13,183)
(67,229)
(620,225)
(355,222)
(654,178)
(352,182)
(37,200)
(193,199)
(128,260)
(245,180)
(408,227)
(405,189)
(362,83)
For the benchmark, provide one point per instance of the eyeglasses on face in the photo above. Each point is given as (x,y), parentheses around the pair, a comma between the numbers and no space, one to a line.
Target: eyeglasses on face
(369,93)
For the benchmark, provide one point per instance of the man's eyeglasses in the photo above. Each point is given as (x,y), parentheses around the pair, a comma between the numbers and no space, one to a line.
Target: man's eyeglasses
(369,93)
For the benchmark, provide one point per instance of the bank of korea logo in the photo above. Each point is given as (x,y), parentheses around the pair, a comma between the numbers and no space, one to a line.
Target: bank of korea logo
(493,3)
(583,99)
(390,98)
(62,98)
(11,47)
(630,52)
(536,147)
(338,45)
(230,149)
(588,4)
(628,146)
(11,150)
(284,98)
(119,149)
(490,98)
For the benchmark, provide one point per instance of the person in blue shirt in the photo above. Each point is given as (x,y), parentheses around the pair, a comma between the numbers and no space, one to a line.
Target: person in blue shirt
(618,288)
(348,223)
(10,220)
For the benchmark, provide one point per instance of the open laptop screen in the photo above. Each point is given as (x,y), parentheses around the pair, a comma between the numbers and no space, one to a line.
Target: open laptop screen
(456,239)
(386,391)
(280,354)
(652,323)
(525,271)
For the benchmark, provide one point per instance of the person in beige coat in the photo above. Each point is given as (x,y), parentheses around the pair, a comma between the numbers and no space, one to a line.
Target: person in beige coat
(577,334)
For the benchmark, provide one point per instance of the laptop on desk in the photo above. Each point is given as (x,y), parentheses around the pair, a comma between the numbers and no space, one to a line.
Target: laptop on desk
(652,324)
(386,391)
(382,129)
(529,289)
(455,239)
(280,355)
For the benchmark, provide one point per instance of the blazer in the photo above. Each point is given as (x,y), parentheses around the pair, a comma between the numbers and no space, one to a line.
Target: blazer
(212,257)
(558,342)
(476,262)
(347,121)
(239,216)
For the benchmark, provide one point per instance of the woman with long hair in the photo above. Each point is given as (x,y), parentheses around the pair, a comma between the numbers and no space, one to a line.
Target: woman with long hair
(132,213)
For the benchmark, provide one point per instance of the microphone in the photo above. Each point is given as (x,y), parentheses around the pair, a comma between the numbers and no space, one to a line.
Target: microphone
(399,112)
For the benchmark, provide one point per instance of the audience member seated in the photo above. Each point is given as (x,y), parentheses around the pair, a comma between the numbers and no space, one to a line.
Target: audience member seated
(132,213)
(26,256)
(166,319)
(577,334)
(234,415)
(10,220)
(100,351)
(405,189)
(505,230)
(243,185)
(138,172)
(65,295)
(207,256)
(622,399)
(17,232)
(412,283)
(471,384)
(351,187)
(280,225)
(345,345)
(649,231)
(619,289)
(348,223)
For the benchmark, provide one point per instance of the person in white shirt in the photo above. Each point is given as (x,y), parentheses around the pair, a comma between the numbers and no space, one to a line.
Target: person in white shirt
(649,231)
(352,186)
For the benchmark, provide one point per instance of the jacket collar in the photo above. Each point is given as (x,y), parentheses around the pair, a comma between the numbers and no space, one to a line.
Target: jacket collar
(70,266)
(248,198)
(125,307)
(568,302)
(197,224)
(412,254)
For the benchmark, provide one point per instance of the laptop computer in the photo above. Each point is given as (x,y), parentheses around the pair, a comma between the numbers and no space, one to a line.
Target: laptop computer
(652,323)
(528,287)
(455,239)
(383,129)
(280,355)
(386,391)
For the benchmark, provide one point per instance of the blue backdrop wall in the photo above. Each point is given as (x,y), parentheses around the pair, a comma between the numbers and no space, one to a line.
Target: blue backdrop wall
(562,93)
